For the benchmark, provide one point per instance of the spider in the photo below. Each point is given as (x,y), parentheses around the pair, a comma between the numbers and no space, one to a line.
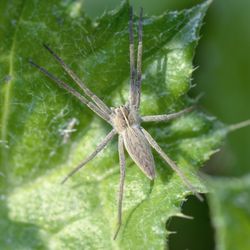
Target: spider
(125,120)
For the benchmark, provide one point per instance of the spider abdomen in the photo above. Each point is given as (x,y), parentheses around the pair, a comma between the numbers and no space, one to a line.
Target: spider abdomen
(139,150)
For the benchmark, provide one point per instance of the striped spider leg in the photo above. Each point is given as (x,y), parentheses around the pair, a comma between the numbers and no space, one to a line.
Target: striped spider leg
(125,120)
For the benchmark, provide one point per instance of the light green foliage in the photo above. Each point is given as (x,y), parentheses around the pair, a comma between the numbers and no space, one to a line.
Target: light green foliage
(36,211)
(229,204)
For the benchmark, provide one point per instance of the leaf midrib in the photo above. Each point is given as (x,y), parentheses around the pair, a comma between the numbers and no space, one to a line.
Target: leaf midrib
(9,83)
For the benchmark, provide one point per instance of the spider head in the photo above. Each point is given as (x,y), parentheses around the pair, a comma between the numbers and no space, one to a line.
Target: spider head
(124,117)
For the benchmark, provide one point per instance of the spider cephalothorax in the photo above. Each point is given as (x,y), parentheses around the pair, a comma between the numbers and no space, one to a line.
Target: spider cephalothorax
(125,120)
(124,117)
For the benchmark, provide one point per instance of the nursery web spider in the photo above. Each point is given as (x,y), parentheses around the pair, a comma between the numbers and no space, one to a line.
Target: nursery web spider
(125,120)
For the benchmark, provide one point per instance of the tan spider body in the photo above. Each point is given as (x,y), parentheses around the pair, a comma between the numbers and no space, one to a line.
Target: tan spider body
(126,122)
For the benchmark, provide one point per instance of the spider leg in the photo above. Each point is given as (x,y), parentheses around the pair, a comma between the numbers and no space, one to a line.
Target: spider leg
(167,117)
(98,149)
(86,90)
(135,84)
(132,97)
(155,145)
(122,179)
(65,86)
(139,62)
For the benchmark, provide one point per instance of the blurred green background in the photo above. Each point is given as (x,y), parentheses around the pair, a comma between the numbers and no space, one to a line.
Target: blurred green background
(223,76)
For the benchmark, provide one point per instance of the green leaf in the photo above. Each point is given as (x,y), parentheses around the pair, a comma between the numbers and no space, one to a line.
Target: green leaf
(229,205)
(36,152)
